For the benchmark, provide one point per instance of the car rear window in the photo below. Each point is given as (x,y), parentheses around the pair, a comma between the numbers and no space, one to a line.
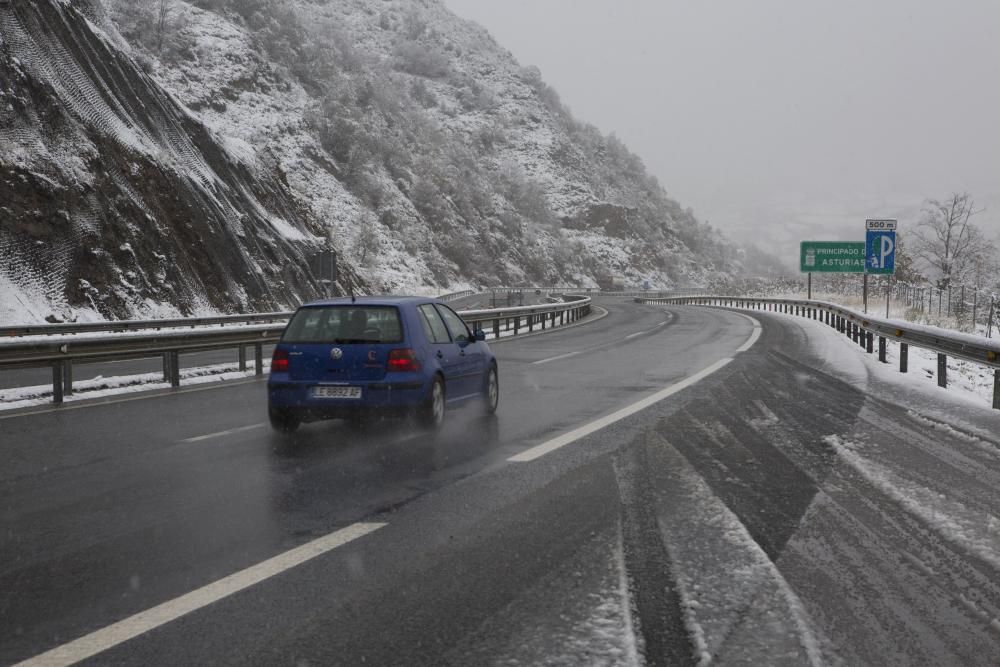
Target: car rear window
(344,325)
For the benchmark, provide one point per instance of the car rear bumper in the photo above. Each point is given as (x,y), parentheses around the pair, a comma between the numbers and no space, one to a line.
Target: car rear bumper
(381,395)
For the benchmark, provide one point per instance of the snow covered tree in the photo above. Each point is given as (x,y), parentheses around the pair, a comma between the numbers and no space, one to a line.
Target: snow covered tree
(948,242)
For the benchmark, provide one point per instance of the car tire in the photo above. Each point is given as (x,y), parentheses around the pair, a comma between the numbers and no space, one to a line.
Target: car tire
(432,413)
(491,392)
(283,420)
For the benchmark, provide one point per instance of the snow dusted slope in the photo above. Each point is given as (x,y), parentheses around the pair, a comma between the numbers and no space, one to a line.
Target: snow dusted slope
(117,201)
(432,155)
(198,172)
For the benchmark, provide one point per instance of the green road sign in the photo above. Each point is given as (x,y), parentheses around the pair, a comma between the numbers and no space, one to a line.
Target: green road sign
(832,257)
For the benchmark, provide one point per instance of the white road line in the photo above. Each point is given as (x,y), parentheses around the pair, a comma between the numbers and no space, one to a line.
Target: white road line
(133,626)
(561,356)
(546,447)
(573,354)
(541,450)
(231,431)
(753,336)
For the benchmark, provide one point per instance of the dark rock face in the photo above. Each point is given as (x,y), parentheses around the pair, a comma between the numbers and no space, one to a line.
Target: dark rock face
(113,196)
(608,219)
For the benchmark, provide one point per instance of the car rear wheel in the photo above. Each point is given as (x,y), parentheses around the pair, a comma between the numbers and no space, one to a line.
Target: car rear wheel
(491,394)
(283,421)
(433,411)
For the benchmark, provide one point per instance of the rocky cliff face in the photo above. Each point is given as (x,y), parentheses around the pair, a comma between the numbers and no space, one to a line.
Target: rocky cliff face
(116,198)
(195,164)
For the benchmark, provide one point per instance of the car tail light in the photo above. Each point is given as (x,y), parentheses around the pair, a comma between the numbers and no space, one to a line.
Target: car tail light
(403,361)
(279,362)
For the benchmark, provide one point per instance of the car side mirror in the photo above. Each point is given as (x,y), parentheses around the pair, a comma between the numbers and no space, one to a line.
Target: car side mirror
(479,335)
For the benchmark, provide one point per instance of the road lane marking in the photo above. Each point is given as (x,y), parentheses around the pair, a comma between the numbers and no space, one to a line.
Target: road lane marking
(753,336)
(561,441)
(541,450)
(133,626)
(561,356)
(597,347)
(240,429)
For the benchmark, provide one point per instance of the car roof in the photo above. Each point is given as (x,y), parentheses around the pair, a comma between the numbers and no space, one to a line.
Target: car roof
(371,301)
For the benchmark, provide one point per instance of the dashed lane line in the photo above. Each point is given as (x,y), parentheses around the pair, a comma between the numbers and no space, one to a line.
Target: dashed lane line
(220,434)
(595,347)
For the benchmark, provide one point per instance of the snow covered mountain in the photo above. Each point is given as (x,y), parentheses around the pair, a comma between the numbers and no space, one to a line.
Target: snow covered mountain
(161,156)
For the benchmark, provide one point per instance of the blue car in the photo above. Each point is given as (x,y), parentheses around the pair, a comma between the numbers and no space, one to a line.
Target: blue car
(346,358)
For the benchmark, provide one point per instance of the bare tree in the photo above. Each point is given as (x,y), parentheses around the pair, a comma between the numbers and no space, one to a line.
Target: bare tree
(367,243)
(165,10)
(947,241)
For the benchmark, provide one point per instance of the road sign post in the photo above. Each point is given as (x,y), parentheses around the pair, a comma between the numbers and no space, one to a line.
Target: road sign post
(880,251)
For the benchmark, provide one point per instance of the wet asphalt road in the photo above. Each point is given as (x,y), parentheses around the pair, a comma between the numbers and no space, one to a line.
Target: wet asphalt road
(749,517)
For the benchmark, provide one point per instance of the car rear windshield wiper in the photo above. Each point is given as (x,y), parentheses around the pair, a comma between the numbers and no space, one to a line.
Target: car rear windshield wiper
(352,341)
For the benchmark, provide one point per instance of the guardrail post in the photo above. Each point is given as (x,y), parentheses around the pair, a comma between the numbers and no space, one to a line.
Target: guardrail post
(243,358)
(870,342)
(881,349)
(996,389)
(496,328)
(531,323)
(942,370)
(258,359)
(517,324)
(904,357)
(67,377)
(173,359)
(166,367)
(57,382)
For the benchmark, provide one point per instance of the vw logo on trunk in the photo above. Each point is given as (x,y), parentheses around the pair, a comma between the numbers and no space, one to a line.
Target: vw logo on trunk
(336,353)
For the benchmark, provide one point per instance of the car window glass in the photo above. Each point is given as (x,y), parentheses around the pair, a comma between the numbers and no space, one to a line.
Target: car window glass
(458,328)
(345,324)
(433,325)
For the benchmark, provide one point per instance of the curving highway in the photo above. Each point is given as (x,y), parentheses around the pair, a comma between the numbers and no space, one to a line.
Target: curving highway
(661,485)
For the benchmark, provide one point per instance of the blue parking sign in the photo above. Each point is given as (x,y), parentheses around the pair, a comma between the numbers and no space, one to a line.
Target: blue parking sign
(880,252)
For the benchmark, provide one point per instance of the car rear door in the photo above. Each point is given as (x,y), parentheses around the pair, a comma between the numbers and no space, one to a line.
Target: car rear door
(443,349)
(471,357)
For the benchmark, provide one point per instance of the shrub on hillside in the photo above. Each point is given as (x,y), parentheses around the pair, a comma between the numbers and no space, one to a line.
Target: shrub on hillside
(421,60)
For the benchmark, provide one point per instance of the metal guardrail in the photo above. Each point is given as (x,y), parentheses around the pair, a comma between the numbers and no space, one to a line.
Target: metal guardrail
(61,353)
(136,325)
(499,321)
(863,329)
(454,296)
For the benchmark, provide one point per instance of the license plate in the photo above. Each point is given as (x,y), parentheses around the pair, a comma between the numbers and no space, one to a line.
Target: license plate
(336,392)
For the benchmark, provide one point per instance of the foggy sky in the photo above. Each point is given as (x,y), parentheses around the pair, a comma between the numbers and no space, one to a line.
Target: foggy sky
(780,120)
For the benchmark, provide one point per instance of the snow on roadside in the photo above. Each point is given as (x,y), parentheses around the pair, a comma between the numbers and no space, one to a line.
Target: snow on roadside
(972,530)
(101,387)
(969,382)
